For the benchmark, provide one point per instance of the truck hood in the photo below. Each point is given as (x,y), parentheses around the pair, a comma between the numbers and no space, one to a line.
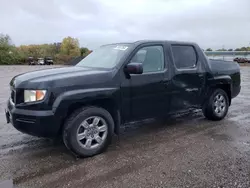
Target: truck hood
(59,77)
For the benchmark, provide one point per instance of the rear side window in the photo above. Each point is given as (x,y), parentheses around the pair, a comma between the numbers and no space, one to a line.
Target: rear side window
(184,56)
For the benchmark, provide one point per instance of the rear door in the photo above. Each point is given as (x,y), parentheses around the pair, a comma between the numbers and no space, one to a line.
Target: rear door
(189,79)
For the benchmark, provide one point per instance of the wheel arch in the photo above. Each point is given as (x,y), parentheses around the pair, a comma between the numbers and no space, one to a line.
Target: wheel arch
(221,82)
(108,104)
(65,105)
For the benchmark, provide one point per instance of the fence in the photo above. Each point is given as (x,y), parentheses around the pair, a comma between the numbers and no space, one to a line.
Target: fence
(227,55)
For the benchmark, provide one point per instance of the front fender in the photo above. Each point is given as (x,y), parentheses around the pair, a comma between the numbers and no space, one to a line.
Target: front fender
(67,98)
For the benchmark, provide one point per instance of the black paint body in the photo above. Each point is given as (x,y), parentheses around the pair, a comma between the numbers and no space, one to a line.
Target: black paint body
(141,96)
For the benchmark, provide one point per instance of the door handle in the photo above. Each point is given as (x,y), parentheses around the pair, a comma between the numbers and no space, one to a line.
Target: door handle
(201,76)
(165,83)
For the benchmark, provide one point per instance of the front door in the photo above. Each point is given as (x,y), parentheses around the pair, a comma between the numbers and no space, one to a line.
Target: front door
(148,91)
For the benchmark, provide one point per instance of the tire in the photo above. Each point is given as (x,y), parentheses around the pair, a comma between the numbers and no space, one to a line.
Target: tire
(213,110)
(76,128)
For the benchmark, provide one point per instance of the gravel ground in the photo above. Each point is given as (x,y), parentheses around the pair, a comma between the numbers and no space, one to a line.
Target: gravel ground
(186,151)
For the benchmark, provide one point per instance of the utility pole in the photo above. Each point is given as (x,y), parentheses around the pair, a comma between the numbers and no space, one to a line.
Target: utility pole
(223,46)
(247,50)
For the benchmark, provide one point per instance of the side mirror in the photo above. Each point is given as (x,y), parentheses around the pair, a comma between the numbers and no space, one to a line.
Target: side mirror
(134,68)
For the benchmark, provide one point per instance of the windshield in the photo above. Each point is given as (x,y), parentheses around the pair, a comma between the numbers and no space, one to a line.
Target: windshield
(105,56)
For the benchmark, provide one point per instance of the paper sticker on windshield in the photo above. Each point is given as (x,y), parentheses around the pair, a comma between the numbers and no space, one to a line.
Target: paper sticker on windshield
(121,48)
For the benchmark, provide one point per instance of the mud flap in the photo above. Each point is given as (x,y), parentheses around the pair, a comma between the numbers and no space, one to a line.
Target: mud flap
(7,115)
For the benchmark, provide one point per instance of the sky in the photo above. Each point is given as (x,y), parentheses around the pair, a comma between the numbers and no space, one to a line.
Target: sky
(210,23)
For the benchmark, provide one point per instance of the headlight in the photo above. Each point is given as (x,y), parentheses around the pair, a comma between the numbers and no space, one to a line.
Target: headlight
(34,95)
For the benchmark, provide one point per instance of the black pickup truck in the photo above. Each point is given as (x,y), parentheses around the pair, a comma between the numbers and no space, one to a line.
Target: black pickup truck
(118,83)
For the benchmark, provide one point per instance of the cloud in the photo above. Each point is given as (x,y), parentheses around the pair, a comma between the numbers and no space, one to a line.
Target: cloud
(210,23)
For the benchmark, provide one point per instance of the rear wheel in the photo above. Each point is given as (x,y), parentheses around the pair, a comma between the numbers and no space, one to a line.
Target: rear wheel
(216,107)
(88,131)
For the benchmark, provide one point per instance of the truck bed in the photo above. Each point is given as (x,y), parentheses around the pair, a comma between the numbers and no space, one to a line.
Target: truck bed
(231,68)
(223,67)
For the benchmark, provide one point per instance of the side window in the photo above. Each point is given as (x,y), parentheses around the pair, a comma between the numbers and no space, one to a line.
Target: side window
(151,57)
(184,56)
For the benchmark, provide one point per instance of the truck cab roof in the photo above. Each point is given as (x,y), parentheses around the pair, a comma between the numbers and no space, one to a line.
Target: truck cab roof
(139,42)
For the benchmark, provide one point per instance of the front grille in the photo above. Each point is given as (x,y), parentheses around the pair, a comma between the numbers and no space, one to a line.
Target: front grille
(13,96)
(19,96)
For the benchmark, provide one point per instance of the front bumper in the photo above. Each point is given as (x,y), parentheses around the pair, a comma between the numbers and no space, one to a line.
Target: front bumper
(36,123)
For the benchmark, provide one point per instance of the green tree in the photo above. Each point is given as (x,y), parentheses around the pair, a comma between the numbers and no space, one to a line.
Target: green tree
(37,51)
(209,50)
(8,52)
(70,47)
(84,51)
(230,50)
(223,49)
(5,40)
(47,50)
(243,49)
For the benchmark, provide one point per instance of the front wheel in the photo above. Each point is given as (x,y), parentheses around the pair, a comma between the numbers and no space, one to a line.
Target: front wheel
(88,131)
(216,107)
